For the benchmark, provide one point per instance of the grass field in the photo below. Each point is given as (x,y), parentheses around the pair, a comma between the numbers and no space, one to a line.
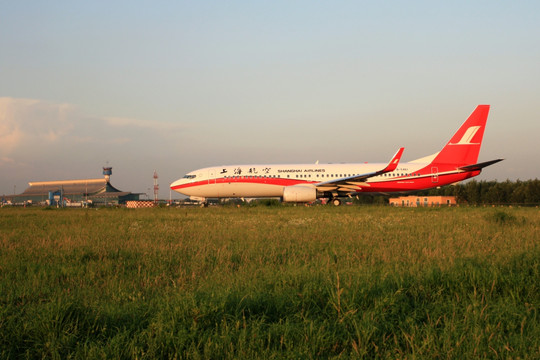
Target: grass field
(270,282)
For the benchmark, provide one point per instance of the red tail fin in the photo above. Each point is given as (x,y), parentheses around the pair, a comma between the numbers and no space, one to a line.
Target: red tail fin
(464,147)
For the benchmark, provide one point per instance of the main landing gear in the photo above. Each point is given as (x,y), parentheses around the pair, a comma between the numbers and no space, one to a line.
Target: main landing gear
(335,202)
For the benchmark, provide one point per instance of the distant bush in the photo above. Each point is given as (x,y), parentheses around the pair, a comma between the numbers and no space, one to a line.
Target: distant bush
(504,218)
(265,202)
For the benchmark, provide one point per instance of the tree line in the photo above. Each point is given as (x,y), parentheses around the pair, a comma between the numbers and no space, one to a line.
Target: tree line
(508,192)
(520,192)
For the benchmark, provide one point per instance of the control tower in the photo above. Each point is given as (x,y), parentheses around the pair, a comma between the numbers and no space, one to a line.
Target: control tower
(107,172)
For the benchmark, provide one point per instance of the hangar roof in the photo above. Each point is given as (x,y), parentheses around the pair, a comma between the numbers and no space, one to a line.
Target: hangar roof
(86,186)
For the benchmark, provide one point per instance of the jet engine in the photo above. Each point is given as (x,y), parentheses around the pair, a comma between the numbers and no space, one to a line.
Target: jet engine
(299,193)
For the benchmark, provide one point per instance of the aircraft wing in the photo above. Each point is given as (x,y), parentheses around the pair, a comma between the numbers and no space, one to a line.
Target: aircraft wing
(352,183)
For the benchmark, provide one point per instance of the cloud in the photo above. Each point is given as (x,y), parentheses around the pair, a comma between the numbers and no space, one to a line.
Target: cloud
(144,124)
(6,160)
(120,141)
(45,125)
(10,137)
(28,121)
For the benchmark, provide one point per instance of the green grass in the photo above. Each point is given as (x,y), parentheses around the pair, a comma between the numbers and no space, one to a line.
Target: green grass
(270,282)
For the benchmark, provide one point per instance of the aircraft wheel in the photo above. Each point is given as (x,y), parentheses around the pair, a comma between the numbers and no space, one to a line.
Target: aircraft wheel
(336,202)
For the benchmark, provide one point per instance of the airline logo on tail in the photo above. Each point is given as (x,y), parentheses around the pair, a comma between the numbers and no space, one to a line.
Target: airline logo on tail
(468,136)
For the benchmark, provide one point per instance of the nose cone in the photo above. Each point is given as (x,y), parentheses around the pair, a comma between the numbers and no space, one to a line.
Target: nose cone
(177,184)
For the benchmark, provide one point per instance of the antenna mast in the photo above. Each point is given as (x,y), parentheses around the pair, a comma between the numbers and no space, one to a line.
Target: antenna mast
(156,187)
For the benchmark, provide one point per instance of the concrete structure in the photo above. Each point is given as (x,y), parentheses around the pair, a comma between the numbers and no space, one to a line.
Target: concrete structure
(418,201)
(73,192)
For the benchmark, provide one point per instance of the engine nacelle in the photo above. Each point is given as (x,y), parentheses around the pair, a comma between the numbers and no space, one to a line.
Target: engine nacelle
(299,193)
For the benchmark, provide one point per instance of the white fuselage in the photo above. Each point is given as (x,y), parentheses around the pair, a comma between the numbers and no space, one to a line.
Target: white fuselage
(270,180)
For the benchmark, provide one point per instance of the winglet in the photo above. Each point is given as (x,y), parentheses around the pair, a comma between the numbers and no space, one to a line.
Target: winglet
(392,165)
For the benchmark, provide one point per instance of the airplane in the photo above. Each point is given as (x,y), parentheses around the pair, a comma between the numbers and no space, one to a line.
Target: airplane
(302,183)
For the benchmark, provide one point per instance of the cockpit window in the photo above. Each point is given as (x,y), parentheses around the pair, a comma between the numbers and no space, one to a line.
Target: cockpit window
(189,176)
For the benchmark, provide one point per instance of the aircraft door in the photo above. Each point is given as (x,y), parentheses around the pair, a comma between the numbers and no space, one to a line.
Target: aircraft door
(434,175)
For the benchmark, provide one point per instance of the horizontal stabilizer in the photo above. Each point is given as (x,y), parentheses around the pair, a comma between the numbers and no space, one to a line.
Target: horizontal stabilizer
(479,166)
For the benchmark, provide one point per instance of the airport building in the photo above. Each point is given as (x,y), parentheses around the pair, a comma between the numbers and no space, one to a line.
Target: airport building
(423,201)
(98,192)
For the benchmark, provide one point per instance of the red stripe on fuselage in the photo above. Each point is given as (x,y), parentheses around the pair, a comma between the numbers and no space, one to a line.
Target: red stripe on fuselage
(245,180)
(412,184)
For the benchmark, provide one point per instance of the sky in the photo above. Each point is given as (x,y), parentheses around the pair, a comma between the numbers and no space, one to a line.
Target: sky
(174,86)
